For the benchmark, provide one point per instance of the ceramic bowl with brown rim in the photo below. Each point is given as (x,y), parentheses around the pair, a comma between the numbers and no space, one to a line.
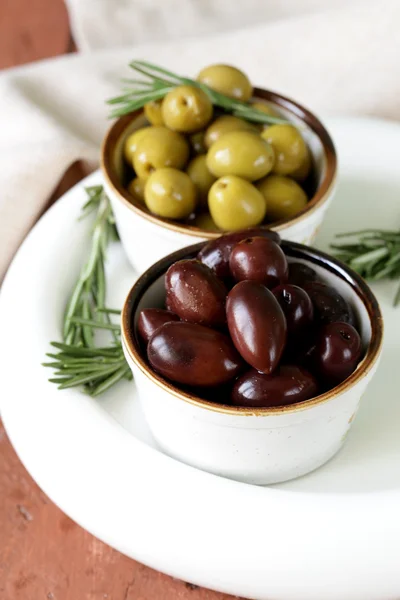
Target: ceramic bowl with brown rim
(147,238)
(263,445)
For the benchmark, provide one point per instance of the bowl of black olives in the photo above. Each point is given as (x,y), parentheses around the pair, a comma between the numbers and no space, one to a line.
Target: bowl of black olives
(183,170)
(251,354)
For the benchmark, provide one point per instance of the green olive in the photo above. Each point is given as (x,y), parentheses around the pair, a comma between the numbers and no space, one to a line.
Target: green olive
(303,171)
(202,178)
(265,108)
(152,111)
(204,221)
(159,148)
(170,193)
(289,146)
(136,189)
(241,153)
(132,141)
(235,204)
(197,143)
(227,80)
(186,109)
(225,124)
(283,196)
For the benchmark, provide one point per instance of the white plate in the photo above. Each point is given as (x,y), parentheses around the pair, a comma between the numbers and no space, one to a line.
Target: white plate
(334,534)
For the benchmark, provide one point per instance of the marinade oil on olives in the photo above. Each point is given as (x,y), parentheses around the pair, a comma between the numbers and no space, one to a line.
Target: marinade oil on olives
(296,305)
(151,319)
(245,327)
(259,259)
(193,355)
(216,254)
(288,385)
(195,294)
(257,325)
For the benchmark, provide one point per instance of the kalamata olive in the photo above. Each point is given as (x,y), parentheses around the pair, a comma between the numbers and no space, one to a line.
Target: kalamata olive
(216,253)
(151,319)
(256,324)
(259,259)
(288,385)
(195,294)
(329,305)
(337,352)
(296,305)
(300,274)
(193,355)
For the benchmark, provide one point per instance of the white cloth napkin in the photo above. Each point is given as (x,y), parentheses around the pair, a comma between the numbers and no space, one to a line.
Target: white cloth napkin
(341,60)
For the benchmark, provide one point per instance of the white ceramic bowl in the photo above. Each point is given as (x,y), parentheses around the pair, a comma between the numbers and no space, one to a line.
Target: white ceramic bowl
(147,238)
(261,446)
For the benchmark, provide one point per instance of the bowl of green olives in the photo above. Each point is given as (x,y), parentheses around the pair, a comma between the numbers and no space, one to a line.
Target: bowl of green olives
(251,354)
(183,170)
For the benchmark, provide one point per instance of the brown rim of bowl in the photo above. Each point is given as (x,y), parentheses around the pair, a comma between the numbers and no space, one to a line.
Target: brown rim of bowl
(293,250)
(319,198)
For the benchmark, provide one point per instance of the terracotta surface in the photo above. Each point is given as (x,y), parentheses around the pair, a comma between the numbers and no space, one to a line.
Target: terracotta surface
(43,554)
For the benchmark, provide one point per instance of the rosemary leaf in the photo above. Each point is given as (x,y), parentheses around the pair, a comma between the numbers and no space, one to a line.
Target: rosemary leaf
(109,311)
(95,324)
(110,381)
(77,360)
(374,254)
(160,81)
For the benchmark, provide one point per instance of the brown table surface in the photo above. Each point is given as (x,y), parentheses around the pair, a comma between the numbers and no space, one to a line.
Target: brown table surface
(43,554)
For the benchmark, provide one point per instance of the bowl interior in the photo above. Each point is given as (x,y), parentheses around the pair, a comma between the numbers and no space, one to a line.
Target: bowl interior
(321,148)
(149,292)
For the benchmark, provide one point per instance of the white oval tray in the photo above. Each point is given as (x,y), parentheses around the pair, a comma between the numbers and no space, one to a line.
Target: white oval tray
(334,534)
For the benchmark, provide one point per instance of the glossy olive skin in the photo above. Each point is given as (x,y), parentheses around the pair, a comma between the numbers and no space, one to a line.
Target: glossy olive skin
(202,178)
(297,307)
(288,385)
(259,259)
(225,124)
(329,305)
(301,274)
(235,203)
(136,189)
(159,147)
(284,197)
(337,353)
(170,193)
(217,252)
(241,153)
(186,109)
(195,294)
(289,147)
(193,355)
(227,80)
(256,324)
(152,111)
(132,141)
(151,319)
(304,169)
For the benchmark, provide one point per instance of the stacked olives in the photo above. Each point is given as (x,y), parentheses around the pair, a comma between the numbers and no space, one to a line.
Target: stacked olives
(213,170)
(243,326)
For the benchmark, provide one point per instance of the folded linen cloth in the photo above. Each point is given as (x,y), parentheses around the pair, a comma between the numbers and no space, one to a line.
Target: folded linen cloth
(341,60)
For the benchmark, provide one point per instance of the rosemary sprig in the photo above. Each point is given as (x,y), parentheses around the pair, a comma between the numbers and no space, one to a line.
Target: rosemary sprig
(160,81)
(78,361)
(373,253)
